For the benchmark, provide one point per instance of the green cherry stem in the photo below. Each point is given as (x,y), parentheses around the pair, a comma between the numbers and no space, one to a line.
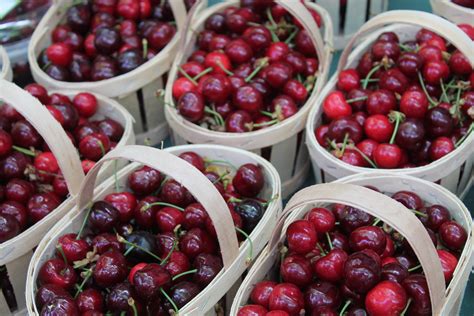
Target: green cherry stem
(59,247)
(262,63)
(365,83)
(222,176)
(422,83)
(376,222)
(84,281)
(344,143)
(124,241)
(145,47)
(444,94)
(145,207)
(168,256)
(131,303)
(292,36)
(357,99)
(176,310)
(272,122)
(102,148)
(219,162)
(84,223)
(414,268)
(218,117)
(202,73)
(250,256)
(321,249)
(418,213)
(344,308)
(329,240)
(396,117)
(372,163)
(177,276)
(266,113)
(25,151)
(185,74)
(406,307)
(227,71)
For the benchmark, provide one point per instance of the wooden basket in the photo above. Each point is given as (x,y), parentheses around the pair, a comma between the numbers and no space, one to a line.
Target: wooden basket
(16,252)
(5,70)
(234,258)
(454,170)
(443,301)
(136,90)
(281,144)
(453,12)
(346,21)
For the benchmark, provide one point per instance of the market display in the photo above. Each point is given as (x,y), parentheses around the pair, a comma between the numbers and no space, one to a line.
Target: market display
(153,242)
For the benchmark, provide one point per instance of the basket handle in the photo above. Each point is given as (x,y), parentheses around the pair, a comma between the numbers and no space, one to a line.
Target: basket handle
(51,131)
(427,20)
(299,11)
(179,12)
(191,178)
(195,9)
(6,70)
(389,211)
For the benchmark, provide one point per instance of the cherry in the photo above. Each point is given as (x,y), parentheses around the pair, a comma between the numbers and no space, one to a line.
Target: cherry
(9,227)
(387,156)
(331,267)
(296,269)
(409,199)
(248,98)
(286,297)
(452,235)
(197,241)
(339,241)
(335,106)
(60,54)
(301,236)
(111,128)
(5,143)
(236,22)
(238,51)
(368,237)
(362,271)
(252,310)
(322,219)
(216,88)
(389,49)
(41,204)
(60,306)
(90,299)
(218,61)
(13,165)
(146,243)
(410,63)
(208,267)
(183,292)
(144,180)
(304,44)
(110,269)
(393,80)
(416,288)
(38,91)
(124,203)
(48,292)
(24,134)
(15,209)
(378,127)
(168,218)
(94,146)
(434,71)
(119,296)
(105,242)
(283,106)
(386,298)
(191,106)
(459,64)
(440,147)
(348,80)
(258,37)
(278,73)
(73,249)
(352,218)
(216,23)
(394,272)
(410,134)
(178,263)
(414,104)
(248,180)
(78,18)
(322,294)
(85,103)
(367,146)
(321,135)
(448,263)
(174,193)
(339,128)
(250,211)
(148,280)
(439,122)
(381,102)
(296,90)
(261,292)
(56,271)
(104,68)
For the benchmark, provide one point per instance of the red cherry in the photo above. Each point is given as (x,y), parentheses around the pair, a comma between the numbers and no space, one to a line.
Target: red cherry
(6,143)
(322,219)
(124,202)
(218,61)
(321,135)
(468,29)
(434,71)
(74,249)
(168,218)
(386,298)
(348,79)
(335,106)
(277,51)
(39,92)
(286,297)
(85,103)
(252,310)
(60,54)
(46,162)
(261,292)
(296,269)
(379,128)
(387,156)
(452,235)
(381,102)
(367,146)
(181,86)
(55,271)
(414,104)
(440,147)
(448,263)
(331,267)
(94,146)
(301,236)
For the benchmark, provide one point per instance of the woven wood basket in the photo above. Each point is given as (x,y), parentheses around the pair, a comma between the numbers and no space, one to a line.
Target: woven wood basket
(281,144)
(453,12)
(135,90)
(15,253)
(349,18)
(348,191)
(455,170)
(234,257)
(5,66)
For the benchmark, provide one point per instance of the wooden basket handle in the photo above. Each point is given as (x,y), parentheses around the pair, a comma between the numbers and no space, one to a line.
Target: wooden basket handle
(427,20)
(6,70)
(179,11)
(195,9)
(191,178)
(51,131)
(389,211)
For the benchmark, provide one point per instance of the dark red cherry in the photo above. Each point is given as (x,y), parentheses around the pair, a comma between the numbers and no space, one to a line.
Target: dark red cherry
(147,244)
(42,204)
(362,271)
(48,292)
(9,227)
(248,180)
(17,210)
(409,199)
(416,288)
(331,267)
(191,106)
(144,180)
(90,300)
(301,236)
(296,269)
(55,271)
(24,134)
(60,306)
(194,159)
(322,294)
(105,242)
(174,193)
(103,217)
(197,241)
(368,237)
(286,297)
(74,249)
(208,267)
(261,292)
(183,292)
(452,235)
(381,102)
(322,219)
(352,218)
(119,296)
(148,280)
(338,129)
(110,269)
(394,272)
(111,128)
(238,122)
(389,49)
(124,203)
(248,98)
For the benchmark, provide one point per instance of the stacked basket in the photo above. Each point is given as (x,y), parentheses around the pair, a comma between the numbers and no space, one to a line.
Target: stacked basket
(455,170)
(16,253)
(136,90)
(281,144)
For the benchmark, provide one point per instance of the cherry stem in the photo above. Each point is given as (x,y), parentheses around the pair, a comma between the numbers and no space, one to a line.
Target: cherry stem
(45,66)
(444,95)
(357,99)
(405,48)
(219,118)
(396,117)
(250,256)
(292,35)
(299,78)
(185,74)
(184,273)
(235,200)
(131,303)
(83,224)
(145,47)
(270,201)
(162,204)
(266,113)
(419,213)
(376,222)
(455,109)
(344,308)
(329,241)
(133,245)
(102,148)
(202,73)
(263,63)
(59,247)
(272,122)
(175,243)
(25,151)
(274,26)
(217,161)
(414,268)
(227,71)
(371,80)
(222,176)
(422,83)
(366,158)
(176,310)
(81,286)
(365,83)
(469,131)
(406,307)
(321,249)
(344,144)
(115,176)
